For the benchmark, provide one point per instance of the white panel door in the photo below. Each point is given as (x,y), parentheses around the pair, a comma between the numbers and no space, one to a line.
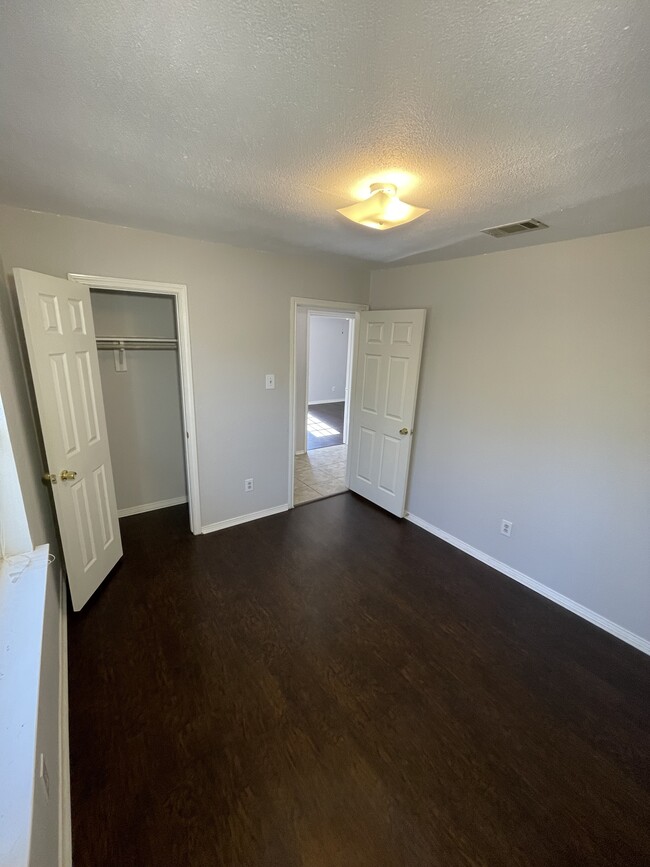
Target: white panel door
(383,408)
(60,336)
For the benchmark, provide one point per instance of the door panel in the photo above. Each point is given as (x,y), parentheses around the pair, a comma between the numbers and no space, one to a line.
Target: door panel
(365,454)
(389,464)
(104,504)
(395,390)
(375,332)
(88,397)
(387,373)
(370,390)
(58,325)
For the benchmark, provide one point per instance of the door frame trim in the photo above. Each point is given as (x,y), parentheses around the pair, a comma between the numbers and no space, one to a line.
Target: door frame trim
(319,305)
(179,293)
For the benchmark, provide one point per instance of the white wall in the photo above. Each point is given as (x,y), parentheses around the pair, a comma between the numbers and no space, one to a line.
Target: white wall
(143,403)
(534,407)
(239,322)
(49,833)
(328,358)
(14,529)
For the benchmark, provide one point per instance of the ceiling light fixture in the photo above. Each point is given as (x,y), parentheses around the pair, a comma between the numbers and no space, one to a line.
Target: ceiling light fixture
(382,209)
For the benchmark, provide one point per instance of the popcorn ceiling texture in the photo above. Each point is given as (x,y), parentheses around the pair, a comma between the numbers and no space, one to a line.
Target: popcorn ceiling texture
(252,121)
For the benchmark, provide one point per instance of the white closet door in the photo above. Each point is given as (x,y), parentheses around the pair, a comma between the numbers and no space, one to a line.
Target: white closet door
(60,336)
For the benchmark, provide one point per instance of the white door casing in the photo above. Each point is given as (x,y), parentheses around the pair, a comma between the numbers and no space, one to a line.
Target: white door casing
(179,292)
(352,324)
(60,337)
(383,405)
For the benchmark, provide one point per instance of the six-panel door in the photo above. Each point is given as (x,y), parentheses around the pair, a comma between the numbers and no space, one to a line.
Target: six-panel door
(60,336)
(386,381)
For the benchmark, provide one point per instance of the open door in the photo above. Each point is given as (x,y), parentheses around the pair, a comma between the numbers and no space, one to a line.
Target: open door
(383,408)
(60,336)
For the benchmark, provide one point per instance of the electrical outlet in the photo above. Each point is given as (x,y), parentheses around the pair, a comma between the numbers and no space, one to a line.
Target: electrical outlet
(333,388)
(506,527)
(45,777)
(248,485)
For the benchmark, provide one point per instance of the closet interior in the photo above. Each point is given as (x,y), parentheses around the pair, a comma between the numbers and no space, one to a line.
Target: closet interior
(139,366)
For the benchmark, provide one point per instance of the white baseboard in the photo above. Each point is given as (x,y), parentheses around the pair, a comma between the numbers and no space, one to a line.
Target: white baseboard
(243,519)
(333,400)
(65,817)
(301,452)
(637,641)
(150,507)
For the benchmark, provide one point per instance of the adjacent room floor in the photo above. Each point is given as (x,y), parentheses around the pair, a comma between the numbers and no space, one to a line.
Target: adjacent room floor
(325,425)
(319,474)
(333,687)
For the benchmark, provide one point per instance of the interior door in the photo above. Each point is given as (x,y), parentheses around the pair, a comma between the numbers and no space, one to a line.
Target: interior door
(60,335)
(383,407)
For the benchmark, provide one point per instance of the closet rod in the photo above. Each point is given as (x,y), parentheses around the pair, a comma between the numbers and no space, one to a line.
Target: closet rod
(136,343)
(137,339)
(117,348)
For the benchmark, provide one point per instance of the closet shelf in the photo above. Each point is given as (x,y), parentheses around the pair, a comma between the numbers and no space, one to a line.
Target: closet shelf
(137,343)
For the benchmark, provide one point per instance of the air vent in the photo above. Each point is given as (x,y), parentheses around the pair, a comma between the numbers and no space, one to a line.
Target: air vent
(514,228)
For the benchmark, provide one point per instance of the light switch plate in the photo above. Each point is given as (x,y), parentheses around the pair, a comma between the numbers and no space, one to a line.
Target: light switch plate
(270,380)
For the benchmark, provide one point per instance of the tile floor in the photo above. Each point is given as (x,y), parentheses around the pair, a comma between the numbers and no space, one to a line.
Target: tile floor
(319,473)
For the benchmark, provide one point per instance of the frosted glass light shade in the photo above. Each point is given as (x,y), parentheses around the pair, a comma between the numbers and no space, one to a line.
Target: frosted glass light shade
(382,209)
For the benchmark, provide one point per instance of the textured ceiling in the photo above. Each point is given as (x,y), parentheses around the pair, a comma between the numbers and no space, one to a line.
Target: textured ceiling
(252,121)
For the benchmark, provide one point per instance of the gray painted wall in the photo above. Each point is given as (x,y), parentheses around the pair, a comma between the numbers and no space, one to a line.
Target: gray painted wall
(534,406)
(239,323)
(143,403)
(328,358)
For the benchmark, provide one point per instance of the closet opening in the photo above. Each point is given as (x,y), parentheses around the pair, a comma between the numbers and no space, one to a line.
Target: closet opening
(142,337)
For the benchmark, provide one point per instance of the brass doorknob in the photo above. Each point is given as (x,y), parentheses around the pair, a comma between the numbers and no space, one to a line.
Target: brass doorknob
(49,477)
(404,431)
(68,475)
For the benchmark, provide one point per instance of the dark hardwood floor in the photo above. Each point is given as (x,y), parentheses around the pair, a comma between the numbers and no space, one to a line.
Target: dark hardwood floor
(323,417)
(332,687)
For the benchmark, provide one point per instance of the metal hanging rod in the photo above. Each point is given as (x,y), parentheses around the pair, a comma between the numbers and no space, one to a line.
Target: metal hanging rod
(137,343)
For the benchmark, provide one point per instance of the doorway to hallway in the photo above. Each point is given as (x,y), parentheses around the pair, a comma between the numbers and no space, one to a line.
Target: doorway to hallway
(324,334)
(321,470)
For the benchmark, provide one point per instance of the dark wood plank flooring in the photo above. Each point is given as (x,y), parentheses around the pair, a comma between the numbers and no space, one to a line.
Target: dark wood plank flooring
(332,687)
(330,415)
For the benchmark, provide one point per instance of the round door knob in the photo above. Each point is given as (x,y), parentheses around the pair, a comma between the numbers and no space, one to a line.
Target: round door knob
(404,431)
(68,475)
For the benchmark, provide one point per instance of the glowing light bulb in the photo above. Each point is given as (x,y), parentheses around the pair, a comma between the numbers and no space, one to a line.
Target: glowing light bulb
(383,209)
